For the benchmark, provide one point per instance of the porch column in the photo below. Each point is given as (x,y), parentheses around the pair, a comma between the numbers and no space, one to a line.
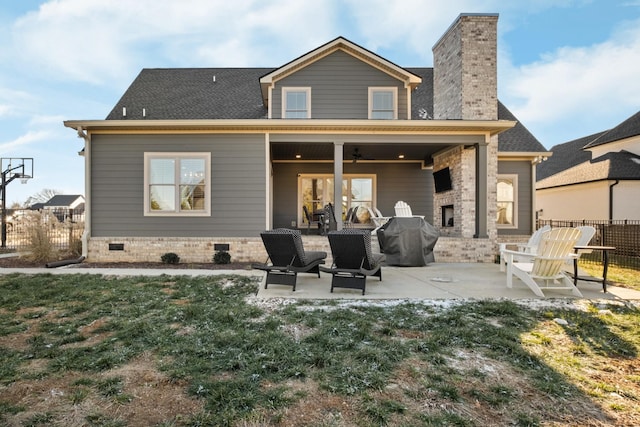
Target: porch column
(338,154)
(481,190)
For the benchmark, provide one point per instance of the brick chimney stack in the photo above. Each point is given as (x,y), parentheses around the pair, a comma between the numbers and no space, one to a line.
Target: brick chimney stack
(465,69)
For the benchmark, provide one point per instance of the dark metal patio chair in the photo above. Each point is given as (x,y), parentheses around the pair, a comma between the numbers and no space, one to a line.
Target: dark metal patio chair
(353,259)
(287,257)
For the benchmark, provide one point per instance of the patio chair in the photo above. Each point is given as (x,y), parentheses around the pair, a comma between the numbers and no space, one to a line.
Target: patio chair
(404,210)
(588,232)
(287,257)
(329,218)
(544,270)
(530,247)
(377,218)
(351,217)
(308,217)
(353,259)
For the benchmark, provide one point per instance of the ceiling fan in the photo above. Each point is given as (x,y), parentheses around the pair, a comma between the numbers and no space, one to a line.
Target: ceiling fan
(357,155)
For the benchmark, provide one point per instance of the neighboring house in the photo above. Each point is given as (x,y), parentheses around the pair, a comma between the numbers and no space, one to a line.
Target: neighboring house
(65,206)
(190,158)
(596,177)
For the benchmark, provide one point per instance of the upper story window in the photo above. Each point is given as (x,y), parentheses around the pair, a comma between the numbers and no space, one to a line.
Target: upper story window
(507,215)
(383,102)
(177,184)
(296,102)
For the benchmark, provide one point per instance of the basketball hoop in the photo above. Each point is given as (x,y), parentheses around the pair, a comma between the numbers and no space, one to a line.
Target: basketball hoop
(10,169)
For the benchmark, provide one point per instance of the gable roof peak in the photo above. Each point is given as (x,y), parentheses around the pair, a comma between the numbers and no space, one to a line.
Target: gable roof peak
(339,44)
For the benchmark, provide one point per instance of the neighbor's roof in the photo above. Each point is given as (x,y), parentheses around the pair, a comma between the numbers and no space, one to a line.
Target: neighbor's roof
(626,129)
(566,156)
(62,200)
(621,165)
(192,93)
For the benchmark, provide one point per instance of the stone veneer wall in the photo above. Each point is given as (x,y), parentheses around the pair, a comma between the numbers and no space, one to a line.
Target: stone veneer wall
(465,88)
(465,70)
(447,250)
(143,249)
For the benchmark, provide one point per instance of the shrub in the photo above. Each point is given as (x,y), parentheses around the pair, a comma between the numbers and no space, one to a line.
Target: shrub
(222,257)
(170,258)
(40,246)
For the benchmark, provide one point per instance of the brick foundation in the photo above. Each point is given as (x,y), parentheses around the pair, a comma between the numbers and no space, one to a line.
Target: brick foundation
(139,249)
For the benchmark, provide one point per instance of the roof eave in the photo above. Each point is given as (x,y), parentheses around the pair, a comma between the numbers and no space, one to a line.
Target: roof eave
(528,155)
(489,127)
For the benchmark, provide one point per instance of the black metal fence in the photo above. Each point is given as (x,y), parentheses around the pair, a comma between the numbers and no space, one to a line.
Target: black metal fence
(62,227)
(624,235)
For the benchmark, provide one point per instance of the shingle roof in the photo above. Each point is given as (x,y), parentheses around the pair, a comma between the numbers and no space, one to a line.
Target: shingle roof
(565,156)
(518,138)
(62,200)
(626,129)
(621,165)
(192,93)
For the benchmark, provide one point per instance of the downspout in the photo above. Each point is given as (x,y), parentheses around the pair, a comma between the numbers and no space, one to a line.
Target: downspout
(86,153)
(611,198)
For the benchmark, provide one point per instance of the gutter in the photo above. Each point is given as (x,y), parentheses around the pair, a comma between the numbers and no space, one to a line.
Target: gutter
(297,126)
(86,153)
(611,198)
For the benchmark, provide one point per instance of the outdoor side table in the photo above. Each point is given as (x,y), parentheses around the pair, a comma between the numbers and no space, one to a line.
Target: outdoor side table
(605,265)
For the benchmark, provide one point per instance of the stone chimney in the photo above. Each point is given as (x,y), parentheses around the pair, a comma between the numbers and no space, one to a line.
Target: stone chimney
(465,70)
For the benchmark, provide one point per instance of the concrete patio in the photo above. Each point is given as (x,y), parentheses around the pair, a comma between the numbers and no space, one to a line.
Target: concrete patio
(435,281)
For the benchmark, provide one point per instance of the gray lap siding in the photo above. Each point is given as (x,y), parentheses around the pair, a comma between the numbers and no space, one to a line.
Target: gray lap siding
(238,196)
(339,88)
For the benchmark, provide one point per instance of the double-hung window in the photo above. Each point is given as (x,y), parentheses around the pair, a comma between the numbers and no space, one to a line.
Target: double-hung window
(177,184)
(296,102)
(383,103)
(507,216)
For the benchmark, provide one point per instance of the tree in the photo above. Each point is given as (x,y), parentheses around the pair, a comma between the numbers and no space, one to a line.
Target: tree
(42,196)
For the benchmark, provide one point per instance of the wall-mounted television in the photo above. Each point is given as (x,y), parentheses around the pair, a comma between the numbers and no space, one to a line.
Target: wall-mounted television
(442,180)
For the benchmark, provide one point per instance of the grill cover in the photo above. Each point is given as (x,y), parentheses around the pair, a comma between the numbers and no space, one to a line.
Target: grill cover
(408,242)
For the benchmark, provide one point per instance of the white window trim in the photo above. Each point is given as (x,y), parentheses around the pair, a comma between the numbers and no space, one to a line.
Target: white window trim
(288,89)
(178,155)
(393,89)
(514,179)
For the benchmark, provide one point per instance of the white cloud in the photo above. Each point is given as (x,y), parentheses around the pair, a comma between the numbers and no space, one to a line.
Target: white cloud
(8,148)
(42,120)
(585,85)
(100,40)
(14,102)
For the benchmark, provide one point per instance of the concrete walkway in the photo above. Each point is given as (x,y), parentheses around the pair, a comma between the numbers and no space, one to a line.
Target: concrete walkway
(435,281)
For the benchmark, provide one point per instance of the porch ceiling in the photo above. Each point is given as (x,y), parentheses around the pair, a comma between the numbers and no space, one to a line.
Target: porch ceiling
(287,151)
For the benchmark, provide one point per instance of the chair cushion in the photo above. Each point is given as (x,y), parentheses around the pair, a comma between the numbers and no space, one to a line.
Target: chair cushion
(302,258)
(371,262)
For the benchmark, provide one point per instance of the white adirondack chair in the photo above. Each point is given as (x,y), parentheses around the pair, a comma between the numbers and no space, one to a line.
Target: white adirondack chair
(544,270)
(404,210)
(530,247)
(377,218)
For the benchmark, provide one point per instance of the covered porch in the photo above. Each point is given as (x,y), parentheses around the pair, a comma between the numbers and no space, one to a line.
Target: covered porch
(377,169)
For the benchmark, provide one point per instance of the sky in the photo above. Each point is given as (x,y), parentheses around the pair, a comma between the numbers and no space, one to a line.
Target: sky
(566,68)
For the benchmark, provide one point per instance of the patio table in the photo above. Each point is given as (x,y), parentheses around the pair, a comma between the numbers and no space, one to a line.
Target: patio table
(605,265)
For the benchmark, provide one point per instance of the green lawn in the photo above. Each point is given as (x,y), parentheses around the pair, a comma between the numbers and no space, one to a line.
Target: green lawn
(619,276)
(185,351)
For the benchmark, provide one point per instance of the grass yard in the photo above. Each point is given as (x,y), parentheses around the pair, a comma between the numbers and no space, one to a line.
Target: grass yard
(618,276)
(86,350)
